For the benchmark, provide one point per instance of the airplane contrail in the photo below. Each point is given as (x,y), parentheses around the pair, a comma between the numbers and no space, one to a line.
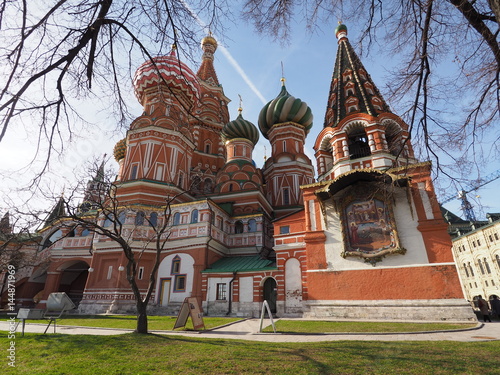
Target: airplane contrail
(230,59)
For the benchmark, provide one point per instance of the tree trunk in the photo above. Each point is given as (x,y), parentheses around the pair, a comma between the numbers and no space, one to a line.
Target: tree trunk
(142,318)
(495,7)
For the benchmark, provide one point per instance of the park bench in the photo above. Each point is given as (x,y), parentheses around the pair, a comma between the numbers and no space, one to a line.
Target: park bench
(57,304)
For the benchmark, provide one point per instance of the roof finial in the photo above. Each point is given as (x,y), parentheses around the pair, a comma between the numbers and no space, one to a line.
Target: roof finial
(282,75)
(341,31)
(240,108)
(174,48)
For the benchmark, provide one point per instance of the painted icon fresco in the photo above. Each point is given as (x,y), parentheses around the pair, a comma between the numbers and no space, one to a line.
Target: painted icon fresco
(369,228)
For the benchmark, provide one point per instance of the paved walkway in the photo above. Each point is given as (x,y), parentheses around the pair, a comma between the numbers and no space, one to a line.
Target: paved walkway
(249,330)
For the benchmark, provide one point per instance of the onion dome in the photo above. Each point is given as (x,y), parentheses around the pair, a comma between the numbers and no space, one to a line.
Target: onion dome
(240,128)
(120,149)
(285,108)
(166,69)
(209,39)
(341,31)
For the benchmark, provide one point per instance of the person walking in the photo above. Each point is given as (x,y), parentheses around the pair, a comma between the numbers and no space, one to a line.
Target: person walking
(483,308)
(495,306)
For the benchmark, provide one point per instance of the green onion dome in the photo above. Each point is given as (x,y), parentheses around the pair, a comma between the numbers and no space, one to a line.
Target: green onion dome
(240,128)
(285,108)
(120,149)
(341,30)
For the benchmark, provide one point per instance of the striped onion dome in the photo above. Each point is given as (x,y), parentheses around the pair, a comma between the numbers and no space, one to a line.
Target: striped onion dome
(168,69)
(120,149)
(240,128)
(285,108)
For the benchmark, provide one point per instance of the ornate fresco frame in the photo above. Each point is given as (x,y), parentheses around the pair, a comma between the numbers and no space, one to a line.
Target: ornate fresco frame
(362,194)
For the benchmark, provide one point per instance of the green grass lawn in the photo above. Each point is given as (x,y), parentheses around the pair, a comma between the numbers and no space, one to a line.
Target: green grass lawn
(283,326)
(153,354)
(319,326)
(130,321)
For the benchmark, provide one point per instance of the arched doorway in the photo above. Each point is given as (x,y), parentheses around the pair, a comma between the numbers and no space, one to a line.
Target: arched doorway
(270,294)
(73,279)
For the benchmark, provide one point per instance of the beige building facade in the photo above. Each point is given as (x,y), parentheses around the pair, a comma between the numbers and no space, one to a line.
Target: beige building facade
(477,255)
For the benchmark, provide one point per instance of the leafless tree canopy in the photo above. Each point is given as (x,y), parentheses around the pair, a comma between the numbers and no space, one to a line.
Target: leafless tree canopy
(426,37)
(92,204)
(57,52)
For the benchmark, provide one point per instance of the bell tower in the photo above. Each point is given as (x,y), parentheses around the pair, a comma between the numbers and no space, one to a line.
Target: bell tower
(360,131)
(286,121)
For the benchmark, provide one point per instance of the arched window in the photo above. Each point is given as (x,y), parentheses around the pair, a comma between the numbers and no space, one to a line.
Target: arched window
(358,144)
(252,225)
(480,266)
(393,139)
(52,238)
(238,227)
(139,218)
(286,196)
(194,216)
(177,218)
(487,265)
(121,217)
(466,271)
(207,186)
(176,265)
(153,219)
(85,232)
(110,218)
(471,270)
(498,260)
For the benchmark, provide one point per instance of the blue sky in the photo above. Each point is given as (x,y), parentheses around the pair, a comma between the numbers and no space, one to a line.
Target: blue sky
(307,65)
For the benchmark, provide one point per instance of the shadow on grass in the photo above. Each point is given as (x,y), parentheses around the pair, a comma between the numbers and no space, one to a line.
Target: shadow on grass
(132,353)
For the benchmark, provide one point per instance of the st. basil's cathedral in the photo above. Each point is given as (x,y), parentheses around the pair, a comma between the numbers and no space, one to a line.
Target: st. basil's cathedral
(365,239)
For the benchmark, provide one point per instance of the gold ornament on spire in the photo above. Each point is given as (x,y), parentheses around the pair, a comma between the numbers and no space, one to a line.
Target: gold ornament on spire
(282,75)
(209,39)
(240,109)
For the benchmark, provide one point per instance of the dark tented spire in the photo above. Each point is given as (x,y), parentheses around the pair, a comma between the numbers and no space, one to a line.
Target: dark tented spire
(352,90)
(57,212)
(99,176)
(5,227)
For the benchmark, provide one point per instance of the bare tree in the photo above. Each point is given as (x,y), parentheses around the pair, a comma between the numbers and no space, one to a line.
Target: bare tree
(425,37)
(97,207)
(19,245)
(57,52)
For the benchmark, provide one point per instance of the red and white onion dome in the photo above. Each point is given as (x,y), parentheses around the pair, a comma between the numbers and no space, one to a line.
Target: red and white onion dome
(167,70)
